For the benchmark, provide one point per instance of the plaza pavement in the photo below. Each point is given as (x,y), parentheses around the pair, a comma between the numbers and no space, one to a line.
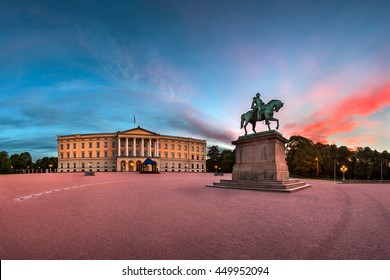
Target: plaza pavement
(174,216)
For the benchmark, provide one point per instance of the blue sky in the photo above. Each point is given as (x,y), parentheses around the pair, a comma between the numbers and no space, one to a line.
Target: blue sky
(191,68)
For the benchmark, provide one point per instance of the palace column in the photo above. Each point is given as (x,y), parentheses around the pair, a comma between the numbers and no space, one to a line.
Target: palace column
(134,147)
(150,148)
(119,147)
(142,147)
(127,146)
(157,153)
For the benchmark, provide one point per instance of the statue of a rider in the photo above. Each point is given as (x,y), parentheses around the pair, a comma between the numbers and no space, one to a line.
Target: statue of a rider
(257,106)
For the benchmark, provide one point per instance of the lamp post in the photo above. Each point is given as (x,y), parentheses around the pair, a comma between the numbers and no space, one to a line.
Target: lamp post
(216,168)
(343,169)
(50,166)
(317,165)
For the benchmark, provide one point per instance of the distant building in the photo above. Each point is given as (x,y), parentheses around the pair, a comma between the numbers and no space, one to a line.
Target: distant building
(125,151)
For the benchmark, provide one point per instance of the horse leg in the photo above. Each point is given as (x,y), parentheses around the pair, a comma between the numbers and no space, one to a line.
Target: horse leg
(277,125)
(253,127)
(246,123)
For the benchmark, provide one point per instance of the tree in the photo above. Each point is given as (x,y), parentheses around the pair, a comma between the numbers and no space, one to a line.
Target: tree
(213,158)
(5,163)
(227,161)
(300,156)
(45,162)
(21,161)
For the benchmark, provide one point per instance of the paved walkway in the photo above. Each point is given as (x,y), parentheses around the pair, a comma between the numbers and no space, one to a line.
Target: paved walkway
(173,216)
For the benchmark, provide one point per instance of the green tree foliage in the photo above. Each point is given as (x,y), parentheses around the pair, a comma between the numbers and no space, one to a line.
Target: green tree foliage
(213,158)
(5,163)
(21,161)
(18,163)
(227,161)
(300,156)
(223,160)
(44,163)
(364,163)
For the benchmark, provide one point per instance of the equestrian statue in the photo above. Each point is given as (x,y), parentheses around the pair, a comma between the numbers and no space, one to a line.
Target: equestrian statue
(261,112)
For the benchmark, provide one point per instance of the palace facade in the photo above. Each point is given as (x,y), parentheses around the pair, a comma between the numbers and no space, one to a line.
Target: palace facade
(126,151)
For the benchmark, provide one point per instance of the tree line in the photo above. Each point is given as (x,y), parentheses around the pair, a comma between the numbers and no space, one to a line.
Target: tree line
(308,159)
(218,161)
(22,163)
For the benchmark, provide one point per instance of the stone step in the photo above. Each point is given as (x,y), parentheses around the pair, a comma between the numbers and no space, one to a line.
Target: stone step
(284,186)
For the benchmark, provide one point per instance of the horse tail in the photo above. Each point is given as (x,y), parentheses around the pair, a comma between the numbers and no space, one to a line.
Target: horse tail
(242,120)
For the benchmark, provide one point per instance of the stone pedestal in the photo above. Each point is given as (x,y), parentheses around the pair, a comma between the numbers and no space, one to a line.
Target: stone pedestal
(260,156)
(261,165)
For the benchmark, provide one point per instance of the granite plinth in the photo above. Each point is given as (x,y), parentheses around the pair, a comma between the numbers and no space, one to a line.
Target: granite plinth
(261,164)
(260,156)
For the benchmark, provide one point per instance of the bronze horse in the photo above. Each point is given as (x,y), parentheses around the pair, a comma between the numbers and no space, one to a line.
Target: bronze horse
(267,115)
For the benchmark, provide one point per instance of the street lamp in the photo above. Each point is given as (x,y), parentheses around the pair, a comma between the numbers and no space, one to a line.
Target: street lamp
(343,169)
(317,165)
(216,168)
(50,166)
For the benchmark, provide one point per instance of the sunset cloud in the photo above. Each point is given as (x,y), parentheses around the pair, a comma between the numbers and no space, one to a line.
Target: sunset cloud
(343,115)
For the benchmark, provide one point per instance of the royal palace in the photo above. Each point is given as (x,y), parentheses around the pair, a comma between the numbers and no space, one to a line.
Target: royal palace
(127,151)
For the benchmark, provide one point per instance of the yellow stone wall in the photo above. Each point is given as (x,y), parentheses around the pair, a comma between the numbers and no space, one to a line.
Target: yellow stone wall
(99,152)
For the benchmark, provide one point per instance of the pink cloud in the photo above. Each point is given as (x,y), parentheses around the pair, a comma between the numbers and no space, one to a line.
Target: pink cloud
(343,116)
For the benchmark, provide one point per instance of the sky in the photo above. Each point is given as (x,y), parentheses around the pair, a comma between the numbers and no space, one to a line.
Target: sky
(191,68)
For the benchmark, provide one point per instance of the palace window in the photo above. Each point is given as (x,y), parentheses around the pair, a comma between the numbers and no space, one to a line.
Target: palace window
(74,145)
(74,154)
(67,155)
(90,154)
(67,146)
(105,144)
(82,145)
(90,144)
(97,154)
(61,146)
